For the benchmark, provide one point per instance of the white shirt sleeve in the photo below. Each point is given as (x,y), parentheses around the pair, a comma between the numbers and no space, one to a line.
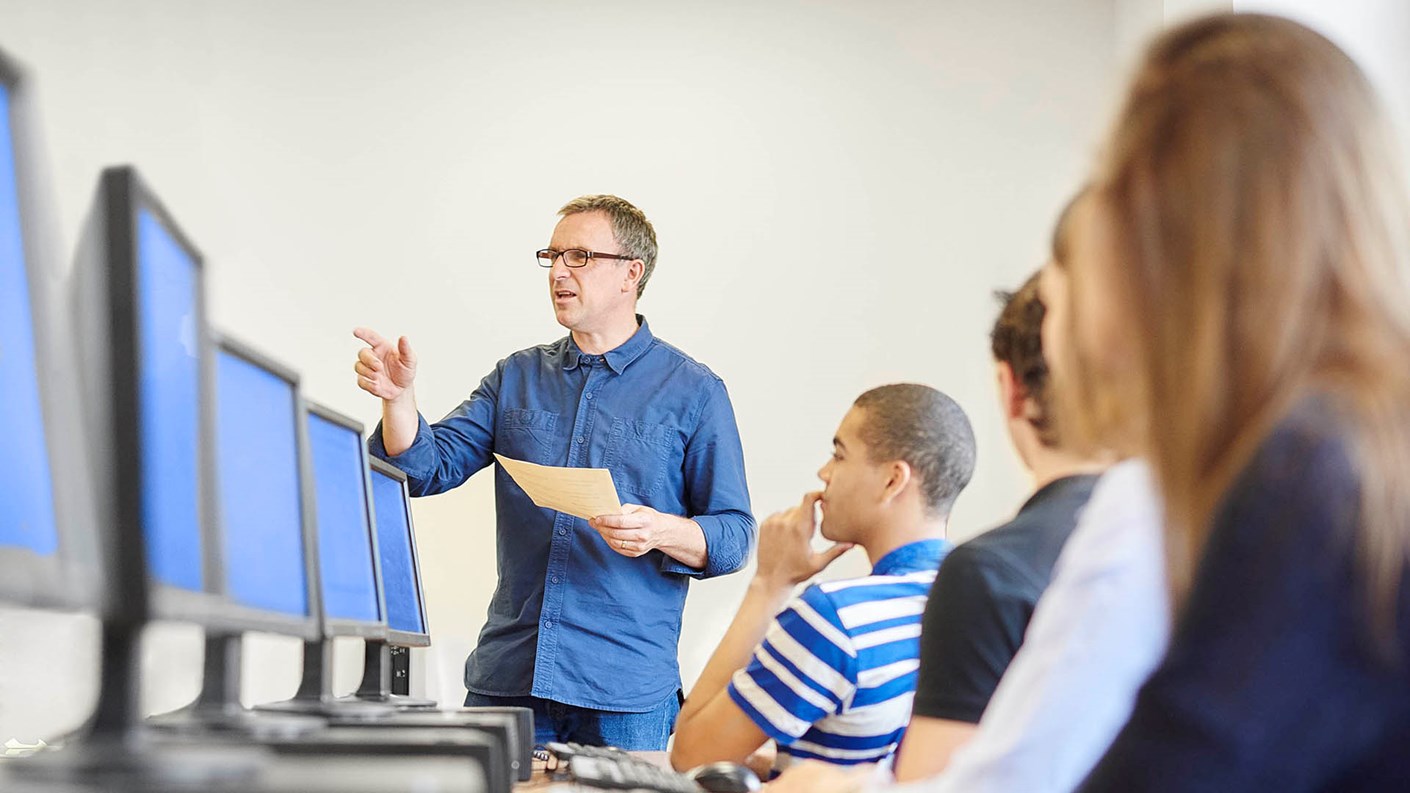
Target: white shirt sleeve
(1096,635)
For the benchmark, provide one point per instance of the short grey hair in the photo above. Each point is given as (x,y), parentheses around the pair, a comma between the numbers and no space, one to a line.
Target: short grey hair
(630,228)
(926,429)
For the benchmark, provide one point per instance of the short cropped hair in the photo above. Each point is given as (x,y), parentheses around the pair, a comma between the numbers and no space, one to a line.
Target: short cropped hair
(926,429)
(630,228)
(1017,340)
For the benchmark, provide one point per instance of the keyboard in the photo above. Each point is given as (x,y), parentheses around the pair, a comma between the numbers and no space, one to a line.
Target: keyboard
(607,768)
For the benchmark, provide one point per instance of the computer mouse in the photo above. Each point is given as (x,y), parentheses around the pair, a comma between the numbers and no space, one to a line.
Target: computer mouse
(725,777)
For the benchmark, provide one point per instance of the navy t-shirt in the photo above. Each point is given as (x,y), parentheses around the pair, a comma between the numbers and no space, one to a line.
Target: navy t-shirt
(983,598)
(1272,681)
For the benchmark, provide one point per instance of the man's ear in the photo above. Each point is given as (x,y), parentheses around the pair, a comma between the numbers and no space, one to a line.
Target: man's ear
(1013,397)
(635,269)
(898,475)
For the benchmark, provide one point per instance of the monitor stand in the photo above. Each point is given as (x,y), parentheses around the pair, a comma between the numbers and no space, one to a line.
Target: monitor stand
(218,710)
(315,695)
(117,750)
(377,680)
(513,726)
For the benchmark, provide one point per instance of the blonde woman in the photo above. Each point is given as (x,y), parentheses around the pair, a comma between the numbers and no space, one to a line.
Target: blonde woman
(1239,315)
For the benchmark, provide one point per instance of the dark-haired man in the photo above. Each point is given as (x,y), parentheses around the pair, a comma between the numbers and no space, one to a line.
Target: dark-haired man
(830,676)
(984,596)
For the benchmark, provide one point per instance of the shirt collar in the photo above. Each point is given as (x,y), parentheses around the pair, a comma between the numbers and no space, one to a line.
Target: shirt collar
(618,358)
(1078,485)
(913,557)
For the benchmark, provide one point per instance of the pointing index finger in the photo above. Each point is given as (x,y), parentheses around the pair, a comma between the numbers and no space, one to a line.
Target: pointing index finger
(370,336)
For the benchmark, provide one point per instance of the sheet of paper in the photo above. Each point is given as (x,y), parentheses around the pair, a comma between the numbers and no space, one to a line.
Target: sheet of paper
(584,492)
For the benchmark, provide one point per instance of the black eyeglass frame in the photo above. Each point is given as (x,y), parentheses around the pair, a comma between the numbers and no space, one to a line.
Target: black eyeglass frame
(547,256)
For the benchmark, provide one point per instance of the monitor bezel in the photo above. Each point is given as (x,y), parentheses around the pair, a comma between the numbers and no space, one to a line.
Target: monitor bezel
(247,618)
(334,628)
(69,578)
(397,637)
(125,195)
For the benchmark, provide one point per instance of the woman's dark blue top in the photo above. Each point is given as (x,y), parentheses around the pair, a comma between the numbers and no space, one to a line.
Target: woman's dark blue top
(1272,680)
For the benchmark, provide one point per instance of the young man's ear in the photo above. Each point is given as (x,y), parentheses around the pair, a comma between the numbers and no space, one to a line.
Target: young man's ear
(898,475)
(1013,397)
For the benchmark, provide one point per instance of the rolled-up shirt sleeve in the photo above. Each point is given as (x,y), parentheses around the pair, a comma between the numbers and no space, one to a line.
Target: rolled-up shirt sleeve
(716,492)
(447,453)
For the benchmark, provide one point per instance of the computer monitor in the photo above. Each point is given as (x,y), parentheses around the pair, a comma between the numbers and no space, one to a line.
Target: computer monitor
(401,564)
(401,587)
(139,285)
(265,512)
(47,531)
(349,562)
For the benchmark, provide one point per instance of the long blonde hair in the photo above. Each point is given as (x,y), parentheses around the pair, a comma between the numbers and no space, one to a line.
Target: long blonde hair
(1260,235)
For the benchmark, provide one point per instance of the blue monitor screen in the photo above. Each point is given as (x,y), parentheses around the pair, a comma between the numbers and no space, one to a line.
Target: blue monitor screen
(399,583)
(170,383)
(26,492)
(344,535)
(258,460)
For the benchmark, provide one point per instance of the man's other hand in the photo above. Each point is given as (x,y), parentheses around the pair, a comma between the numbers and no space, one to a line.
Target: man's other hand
(637,530)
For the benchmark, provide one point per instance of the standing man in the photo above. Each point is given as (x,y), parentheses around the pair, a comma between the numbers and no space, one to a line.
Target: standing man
(585,622)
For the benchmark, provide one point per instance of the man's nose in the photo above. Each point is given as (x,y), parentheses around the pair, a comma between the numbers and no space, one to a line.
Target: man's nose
(558,271)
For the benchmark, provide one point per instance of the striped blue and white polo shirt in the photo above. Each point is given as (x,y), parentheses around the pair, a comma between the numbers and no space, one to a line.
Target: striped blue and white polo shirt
(836,674)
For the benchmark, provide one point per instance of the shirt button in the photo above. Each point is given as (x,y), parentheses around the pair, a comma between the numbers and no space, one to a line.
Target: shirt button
(555,579)
(562,532)
(580,439)
(547,625)
(589,396)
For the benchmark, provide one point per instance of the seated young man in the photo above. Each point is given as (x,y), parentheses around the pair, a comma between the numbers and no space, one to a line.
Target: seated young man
(831,676)
(986,591)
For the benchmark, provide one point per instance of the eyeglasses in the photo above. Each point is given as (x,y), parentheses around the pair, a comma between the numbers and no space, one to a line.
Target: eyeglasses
(574,257)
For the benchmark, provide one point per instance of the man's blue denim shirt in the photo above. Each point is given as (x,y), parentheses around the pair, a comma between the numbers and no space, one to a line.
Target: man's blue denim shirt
(572,620)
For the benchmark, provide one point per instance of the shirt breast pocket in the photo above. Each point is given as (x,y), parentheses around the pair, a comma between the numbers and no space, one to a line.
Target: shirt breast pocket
(526,435)
(637,455)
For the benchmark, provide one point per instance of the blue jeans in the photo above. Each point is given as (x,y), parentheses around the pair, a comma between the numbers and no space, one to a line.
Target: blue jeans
(554,721)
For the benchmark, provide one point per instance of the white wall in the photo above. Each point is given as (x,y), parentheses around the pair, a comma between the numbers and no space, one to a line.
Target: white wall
(1137,20)
(837,187)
